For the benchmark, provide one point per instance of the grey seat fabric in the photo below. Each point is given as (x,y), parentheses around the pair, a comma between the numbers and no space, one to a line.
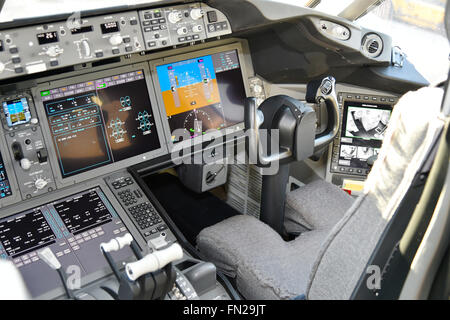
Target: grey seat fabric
(277,269)
(327,261)
(306,206)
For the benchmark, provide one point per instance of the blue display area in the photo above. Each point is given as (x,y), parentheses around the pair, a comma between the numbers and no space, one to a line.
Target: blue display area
(5,188)
(187,72)
(16,112)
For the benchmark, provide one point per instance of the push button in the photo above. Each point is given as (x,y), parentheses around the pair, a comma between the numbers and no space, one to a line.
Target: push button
(54,63)
(16,60)
(13,50)
(212,16)
(115,51)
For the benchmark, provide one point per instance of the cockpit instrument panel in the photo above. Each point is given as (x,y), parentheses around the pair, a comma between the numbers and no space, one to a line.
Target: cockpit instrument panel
(101,121)
(202,93)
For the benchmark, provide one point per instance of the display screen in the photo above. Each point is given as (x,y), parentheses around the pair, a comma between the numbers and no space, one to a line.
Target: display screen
(5,188)
(47,37)
(72,227)
(363,128)
(110,27)
(39,227)
(25,232)
(83,212)
(203,93)
(81,30)
(99,122)
(16,111)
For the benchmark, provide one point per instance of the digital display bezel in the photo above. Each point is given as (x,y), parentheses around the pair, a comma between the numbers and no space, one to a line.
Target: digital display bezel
(357,162)
(234,130)
(83,29)
(352,99)
(10,102)
(108,28)
(43,39)
(99,171)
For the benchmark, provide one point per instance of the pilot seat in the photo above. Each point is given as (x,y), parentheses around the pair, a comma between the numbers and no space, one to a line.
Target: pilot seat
(327,260)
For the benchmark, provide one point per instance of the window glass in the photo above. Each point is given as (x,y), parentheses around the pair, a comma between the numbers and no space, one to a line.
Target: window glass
(417,27)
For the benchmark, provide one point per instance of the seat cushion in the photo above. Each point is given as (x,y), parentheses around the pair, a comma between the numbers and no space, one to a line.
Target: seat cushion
(263,264)
(318,205)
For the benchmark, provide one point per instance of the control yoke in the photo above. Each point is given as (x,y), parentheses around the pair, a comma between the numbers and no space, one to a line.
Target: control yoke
(326,92)
(269,116)
(295,125)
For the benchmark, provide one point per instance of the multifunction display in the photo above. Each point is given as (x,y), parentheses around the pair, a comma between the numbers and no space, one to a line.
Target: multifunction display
(363,128)
(17,111)
(99,122)
(25,232)
(39,227)
(83,212)
(5,188)
(72,228)
(202,93)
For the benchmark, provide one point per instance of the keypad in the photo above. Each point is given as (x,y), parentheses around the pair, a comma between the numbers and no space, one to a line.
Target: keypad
(145,216)
(127,197)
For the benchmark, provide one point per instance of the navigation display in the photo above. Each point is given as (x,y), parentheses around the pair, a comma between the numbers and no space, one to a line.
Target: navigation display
(99,122)
(203,93)
(363,128)
(5,188)
(16,112)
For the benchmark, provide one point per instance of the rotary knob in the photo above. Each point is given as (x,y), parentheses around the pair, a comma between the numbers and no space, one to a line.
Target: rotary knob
(197,14)
(182,31)
(197,28)
(174,16)
(115,40)
(25,164)
(40,183)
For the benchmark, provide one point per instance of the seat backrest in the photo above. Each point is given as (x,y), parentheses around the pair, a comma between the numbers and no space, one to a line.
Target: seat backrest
(344,255)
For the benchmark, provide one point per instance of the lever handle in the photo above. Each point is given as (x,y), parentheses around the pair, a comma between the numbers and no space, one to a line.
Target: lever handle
(153,261)
(117,243)
(49,258)
(327,92)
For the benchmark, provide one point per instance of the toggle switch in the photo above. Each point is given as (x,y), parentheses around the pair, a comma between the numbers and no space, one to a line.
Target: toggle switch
(42,155)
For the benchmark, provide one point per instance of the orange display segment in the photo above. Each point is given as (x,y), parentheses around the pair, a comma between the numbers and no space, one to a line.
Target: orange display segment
(191,97)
